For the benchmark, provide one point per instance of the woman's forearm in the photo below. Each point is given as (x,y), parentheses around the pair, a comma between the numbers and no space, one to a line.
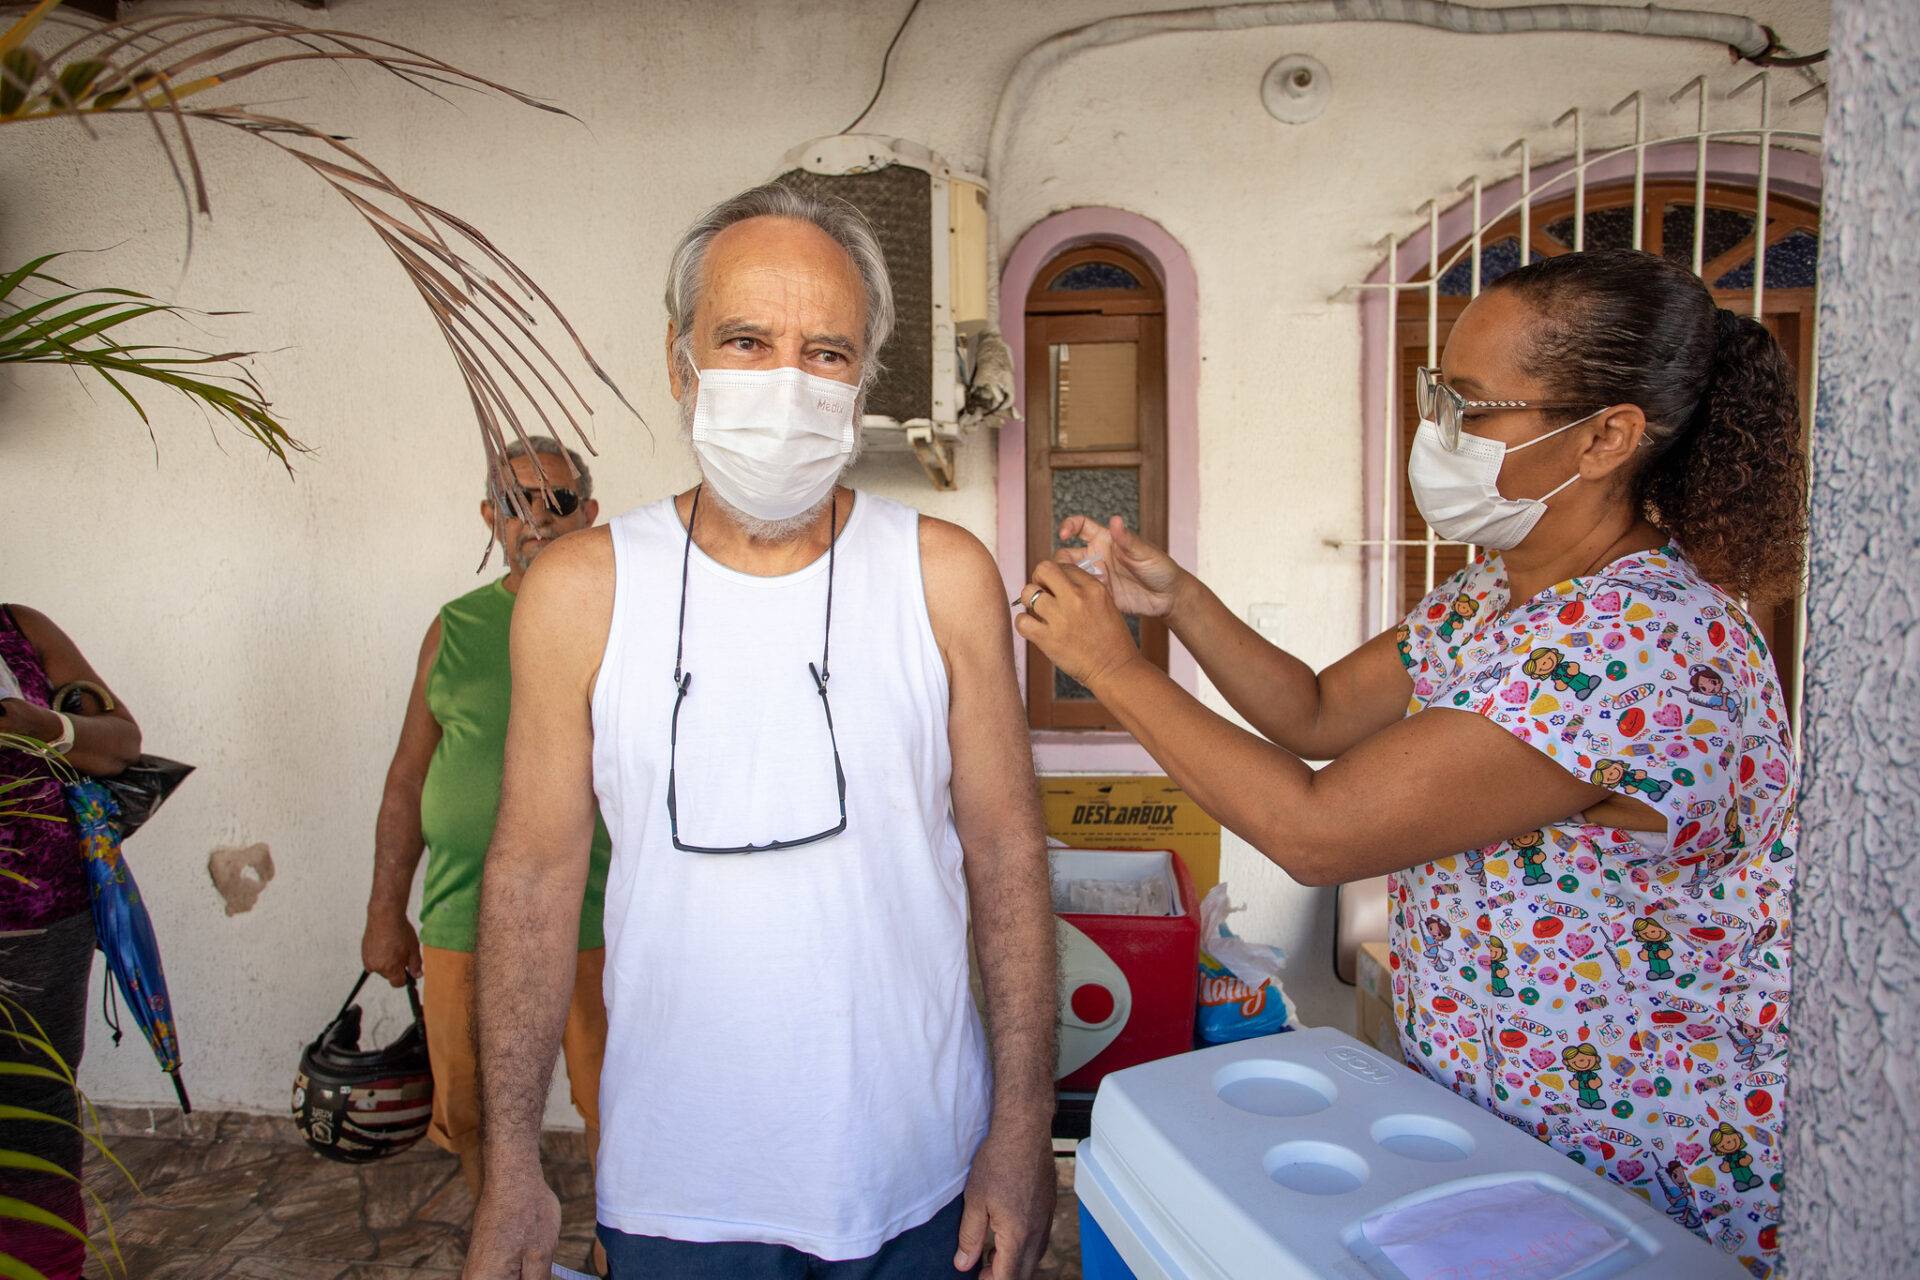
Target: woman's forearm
(1244,781)
(103,745)
(1277,693)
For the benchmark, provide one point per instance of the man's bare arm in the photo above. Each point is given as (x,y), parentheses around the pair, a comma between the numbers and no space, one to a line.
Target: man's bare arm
(536,875)
(996,807)
(389,946)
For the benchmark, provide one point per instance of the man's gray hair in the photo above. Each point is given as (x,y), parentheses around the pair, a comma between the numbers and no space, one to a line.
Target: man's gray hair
(557,478)
(845,225)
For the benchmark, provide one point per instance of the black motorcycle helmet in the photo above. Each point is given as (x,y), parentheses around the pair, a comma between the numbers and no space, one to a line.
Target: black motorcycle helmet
(358,1105)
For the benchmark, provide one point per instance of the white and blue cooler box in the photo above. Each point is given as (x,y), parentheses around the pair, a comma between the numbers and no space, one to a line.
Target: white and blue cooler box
(1262,1160)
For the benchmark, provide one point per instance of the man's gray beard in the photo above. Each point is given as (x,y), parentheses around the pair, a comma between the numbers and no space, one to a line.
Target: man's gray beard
(753,526)
(765,530)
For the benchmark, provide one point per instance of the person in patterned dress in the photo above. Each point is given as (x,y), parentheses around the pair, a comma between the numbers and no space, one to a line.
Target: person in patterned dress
(46,923)
(1574,757)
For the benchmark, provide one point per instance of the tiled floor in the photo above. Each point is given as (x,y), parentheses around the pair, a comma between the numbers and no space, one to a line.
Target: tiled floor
(237,1197)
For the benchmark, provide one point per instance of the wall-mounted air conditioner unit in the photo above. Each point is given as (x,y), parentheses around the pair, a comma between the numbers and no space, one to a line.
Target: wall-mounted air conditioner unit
(946,369)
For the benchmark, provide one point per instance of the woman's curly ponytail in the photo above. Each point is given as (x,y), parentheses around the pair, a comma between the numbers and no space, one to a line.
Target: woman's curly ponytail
(1731,488)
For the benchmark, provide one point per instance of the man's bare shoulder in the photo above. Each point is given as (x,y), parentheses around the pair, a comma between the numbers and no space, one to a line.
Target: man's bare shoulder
(581,561)
(583,548)
(957,559)
(568,594)
(962,582)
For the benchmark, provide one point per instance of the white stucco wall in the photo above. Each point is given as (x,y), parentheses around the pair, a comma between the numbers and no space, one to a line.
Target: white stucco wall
(1856,961)
(264,628)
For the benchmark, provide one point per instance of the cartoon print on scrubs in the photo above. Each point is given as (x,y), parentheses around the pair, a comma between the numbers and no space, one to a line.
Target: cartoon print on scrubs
(1581,1061)
(1656,945)
(1621,995)
(1673,1184)
(1551,664)
(1708,691)
(1458,616)
(1530,851)
(1615,776)
(1732,1150)
(1497,967)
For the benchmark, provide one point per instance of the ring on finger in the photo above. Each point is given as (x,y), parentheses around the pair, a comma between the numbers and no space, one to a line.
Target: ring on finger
(1035,598)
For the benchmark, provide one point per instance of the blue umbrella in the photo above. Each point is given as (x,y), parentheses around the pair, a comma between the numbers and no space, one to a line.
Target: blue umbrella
(123,928)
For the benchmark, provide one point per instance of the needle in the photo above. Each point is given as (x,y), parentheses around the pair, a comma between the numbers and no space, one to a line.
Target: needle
(1090,565)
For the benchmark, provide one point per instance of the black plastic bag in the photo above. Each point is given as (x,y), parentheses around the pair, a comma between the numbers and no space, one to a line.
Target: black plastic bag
(141,789)
(143,786)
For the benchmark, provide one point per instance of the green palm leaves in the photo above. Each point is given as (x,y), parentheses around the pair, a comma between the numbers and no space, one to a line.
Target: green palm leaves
(44,320)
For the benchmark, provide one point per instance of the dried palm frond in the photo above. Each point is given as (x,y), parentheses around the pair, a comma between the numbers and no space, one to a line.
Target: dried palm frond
(161,68)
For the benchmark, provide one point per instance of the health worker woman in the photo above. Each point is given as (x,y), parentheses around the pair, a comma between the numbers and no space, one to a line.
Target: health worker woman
(1574,755)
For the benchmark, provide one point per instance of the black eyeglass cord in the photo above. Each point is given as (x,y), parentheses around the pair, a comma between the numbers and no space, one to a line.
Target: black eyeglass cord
(683,680)
(820,674)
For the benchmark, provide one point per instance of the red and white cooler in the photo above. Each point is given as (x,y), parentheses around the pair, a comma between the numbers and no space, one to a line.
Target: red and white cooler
(1128,922)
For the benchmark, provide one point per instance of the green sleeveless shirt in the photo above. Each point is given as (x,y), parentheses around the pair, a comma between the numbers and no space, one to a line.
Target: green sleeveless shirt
(468,692)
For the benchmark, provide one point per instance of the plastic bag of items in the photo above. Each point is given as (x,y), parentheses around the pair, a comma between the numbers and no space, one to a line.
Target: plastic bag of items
(1240,991)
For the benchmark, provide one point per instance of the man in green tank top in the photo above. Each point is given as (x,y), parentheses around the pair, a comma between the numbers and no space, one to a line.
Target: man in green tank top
(442,795)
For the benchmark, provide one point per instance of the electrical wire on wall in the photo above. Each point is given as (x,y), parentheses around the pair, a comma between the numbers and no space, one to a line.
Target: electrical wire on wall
(1779,55)
(885,61)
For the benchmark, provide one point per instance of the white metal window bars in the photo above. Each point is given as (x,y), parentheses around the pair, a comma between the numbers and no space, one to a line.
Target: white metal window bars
(1572,174)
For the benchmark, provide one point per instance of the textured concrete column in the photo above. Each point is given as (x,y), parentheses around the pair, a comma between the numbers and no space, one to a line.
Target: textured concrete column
(1853,1143)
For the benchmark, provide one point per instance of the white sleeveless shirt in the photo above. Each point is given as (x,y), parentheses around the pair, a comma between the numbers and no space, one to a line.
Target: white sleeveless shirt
(793,1054)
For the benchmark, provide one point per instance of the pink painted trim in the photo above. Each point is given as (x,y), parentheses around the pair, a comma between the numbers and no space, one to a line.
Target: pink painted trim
(1790,173)
(1061,752)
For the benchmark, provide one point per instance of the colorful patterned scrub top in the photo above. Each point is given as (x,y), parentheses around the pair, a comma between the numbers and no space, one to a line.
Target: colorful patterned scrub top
(1620,995)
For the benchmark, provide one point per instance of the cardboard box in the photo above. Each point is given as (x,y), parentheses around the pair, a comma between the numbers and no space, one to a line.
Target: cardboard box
(1133,812)
(1373,996)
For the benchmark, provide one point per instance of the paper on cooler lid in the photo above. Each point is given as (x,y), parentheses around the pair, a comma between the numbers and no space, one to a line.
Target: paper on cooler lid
(1515,1231)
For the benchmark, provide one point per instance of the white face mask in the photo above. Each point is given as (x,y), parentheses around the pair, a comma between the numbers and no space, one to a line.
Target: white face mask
(1458,493)
(772,442)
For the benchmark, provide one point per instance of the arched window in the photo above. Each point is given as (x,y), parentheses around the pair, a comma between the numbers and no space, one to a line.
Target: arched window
(1096,438)
(1668,228)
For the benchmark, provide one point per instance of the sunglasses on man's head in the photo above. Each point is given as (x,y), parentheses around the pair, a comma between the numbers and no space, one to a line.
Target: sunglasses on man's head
(559,502)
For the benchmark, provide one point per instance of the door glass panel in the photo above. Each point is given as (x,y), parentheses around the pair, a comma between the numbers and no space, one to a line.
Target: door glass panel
(1095,395)
(1606,229)
(1496,260)
(1793,262)
(1094,275)
(1725,229)
(1100,492)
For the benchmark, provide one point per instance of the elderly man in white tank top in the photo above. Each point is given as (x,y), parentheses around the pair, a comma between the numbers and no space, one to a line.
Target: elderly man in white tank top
(796,707)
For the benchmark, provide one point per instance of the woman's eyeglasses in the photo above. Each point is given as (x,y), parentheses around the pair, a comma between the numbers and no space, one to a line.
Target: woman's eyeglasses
(683,681)
(1446,408)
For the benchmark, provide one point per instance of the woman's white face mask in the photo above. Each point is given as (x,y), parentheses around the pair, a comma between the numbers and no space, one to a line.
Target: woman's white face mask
(772,442)
(1458,492)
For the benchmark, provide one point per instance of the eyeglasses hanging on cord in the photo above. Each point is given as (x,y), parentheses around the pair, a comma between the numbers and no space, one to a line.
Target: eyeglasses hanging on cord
(683,681)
